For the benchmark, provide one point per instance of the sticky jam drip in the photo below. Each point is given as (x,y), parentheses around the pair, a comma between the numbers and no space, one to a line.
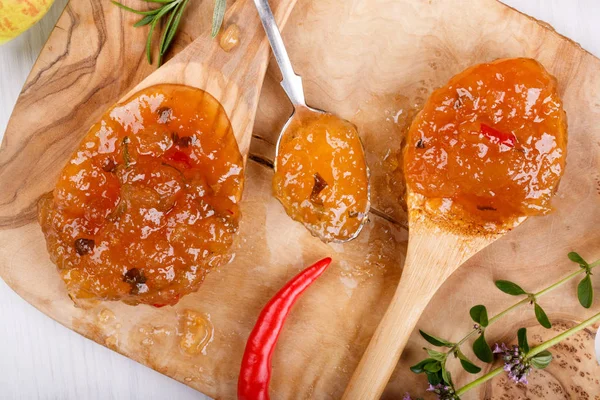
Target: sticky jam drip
(321,177)
(148,203)
(490,146)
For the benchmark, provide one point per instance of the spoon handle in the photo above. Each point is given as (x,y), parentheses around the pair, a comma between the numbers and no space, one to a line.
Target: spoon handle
(291,83)
(431,258)
(381,356)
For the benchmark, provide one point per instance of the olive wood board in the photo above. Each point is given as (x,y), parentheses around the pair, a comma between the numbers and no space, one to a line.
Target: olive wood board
(373,62)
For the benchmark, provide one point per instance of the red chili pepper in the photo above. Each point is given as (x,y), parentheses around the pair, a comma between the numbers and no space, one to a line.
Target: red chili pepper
(496,136)
(255,373)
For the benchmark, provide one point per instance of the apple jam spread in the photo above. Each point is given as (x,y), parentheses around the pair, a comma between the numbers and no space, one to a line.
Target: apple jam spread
(321,175)
(489,147)
(148,203)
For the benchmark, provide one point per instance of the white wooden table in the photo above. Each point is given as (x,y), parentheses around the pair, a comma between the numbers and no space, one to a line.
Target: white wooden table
(40,359)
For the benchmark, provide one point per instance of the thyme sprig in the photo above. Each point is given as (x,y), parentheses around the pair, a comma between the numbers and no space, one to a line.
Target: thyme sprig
(171,11)
(518,360)
(538,355)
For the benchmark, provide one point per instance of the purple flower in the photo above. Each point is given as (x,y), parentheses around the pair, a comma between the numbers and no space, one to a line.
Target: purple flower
(500,348)
(443,392)
(515,363)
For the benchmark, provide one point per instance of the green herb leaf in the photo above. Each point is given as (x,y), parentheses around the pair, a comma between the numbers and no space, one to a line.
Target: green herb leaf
(144,21)
(541,360)
(523,344)
(163,11)
(575,257)
(124,7)
(585,292)
(446,374)
(163,37)
(467,364)
(420,367)
(173,10)
(479,315)
(470,367)
(436,355)
(434,366)
(174,26)
(482,350)
(434,378)
(541,316)
(218,15)
(149,41)
(510,288)
(436,341)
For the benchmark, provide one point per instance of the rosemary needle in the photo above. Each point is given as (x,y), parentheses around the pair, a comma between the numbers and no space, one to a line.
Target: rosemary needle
(218,15)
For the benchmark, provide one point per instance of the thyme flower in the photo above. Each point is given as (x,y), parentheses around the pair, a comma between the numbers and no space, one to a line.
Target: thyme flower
(443,392)
(515,363)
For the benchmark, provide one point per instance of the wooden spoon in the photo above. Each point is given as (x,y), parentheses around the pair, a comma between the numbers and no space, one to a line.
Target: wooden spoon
(234,78)
(433,254)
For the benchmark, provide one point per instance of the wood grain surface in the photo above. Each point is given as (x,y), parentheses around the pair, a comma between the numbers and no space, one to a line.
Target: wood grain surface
(375,66)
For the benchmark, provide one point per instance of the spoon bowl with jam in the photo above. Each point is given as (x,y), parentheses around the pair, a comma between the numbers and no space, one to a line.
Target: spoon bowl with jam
(321,176)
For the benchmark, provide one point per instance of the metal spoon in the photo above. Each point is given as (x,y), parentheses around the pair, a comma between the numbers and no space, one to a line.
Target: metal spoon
(292,85)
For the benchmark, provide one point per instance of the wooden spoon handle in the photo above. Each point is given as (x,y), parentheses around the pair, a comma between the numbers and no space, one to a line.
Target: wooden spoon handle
(432,256)
(379,360)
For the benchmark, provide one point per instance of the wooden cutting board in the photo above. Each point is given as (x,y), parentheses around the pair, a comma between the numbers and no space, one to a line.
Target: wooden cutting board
(373,62)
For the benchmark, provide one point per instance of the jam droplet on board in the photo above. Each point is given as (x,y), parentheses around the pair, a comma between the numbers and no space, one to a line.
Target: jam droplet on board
(230,38)
(196,332)
(106,316)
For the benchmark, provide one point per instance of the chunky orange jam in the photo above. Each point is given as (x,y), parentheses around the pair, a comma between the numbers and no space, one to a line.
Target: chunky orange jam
(148,203)
(321,176)
(490,146)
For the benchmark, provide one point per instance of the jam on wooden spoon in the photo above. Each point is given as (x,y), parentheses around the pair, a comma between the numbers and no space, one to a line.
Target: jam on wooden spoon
(489,148)
(321,177)
(148,203)
(486,152)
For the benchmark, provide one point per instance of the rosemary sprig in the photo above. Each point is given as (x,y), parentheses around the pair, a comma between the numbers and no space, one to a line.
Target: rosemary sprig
(171,10)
